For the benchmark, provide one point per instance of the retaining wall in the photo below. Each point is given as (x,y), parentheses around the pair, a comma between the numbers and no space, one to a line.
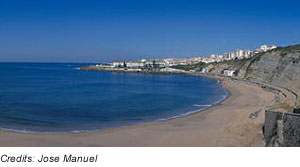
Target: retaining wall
(282,129)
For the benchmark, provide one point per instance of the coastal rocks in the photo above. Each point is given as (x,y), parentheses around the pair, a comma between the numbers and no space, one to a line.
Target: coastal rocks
(133,70)
(254,115)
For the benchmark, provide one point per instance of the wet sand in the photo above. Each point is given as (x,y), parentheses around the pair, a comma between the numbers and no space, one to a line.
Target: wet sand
(227,124)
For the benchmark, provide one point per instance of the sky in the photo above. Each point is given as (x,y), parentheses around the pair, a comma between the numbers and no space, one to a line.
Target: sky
(103,31)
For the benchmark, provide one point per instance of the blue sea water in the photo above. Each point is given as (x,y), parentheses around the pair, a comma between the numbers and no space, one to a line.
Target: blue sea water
(56,97)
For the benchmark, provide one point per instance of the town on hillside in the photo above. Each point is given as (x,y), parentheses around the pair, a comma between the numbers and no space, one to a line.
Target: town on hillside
(167,63)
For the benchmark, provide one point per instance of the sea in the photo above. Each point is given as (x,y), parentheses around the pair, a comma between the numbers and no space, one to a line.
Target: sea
(57,97)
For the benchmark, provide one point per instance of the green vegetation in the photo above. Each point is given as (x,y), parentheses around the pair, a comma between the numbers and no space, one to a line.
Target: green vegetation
(237,63)
(198,66)
(287,49)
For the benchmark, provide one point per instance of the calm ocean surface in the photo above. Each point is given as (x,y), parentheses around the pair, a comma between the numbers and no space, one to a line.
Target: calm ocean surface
(55,97)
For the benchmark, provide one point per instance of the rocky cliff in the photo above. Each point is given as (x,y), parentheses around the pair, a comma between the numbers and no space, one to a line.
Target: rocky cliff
(279,67)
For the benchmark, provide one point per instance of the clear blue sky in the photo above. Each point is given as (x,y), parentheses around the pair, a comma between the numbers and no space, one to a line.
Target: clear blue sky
(97,31)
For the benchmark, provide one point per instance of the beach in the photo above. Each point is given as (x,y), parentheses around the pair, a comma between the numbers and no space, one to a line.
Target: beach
(227,124)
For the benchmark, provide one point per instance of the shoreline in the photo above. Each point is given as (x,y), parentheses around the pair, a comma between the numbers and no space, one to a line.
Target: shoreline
(226,124)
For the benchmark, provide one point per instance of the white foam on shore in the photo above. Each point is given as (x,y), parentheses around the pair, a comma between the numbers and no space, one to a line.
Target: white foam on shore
(31,131)
(205,106)
(182,115)
(202,105)
(80,131)
(21,131)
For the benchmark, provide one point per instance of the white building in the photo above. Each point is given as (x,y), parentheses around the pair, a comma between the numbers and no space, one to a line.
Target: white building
(205,70)
(273,47)
(266,47)
(248,53)
(226,56)
(155,64)
(214,56)
(119,64)
(239,53)
(228,73)
(134,64)
(231,55)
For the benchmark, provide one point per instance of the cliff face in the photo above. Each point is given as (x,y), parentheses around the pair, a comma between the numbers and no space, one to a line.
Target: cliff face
(280,67)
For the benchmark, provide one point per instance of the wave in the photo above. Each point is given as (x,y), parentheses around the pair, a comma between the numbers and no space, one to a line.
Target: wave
(182,115)
(80,131)
(46,132)
(205,106)
(202,105)
(20,131)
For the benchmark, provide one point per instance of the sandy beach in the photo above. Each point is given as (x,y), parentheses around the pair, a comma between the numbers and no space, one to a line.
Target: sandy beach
(227,124)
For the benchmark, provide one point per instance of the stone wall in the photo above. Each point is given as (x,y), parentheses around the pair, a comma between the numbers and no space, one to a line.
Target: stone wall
(282,129)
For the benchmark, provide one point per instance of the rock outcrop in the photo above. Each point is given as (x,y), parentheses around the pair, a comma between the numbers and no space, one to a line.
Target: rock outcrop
(279,68)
